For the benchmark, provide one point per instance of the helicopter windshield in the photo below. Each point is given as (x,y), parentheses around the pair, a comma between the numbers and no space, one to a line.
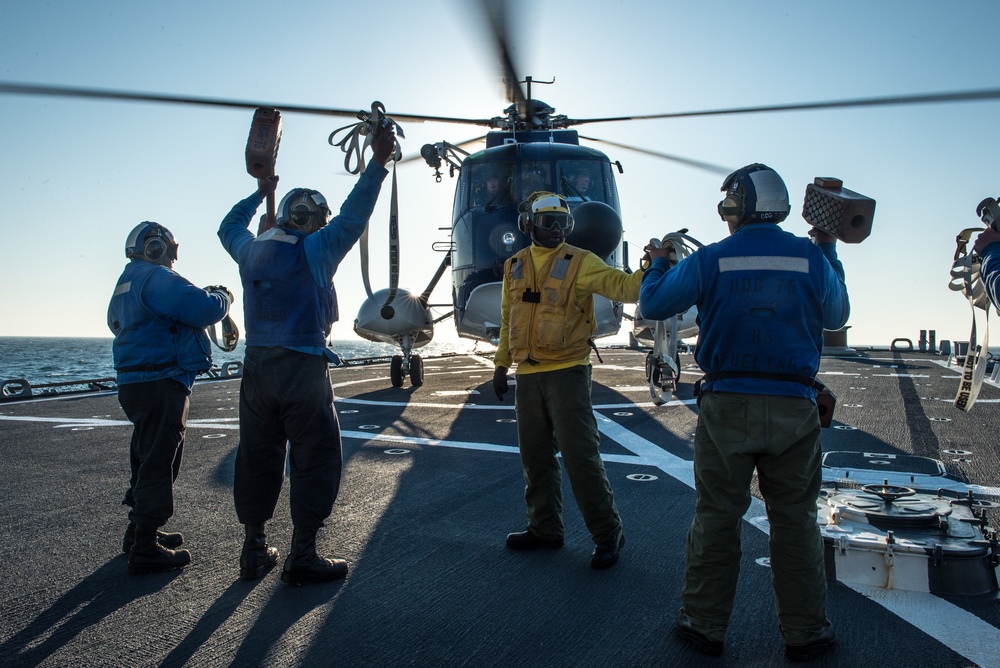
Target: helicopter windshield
(491,184)
(535,176)
(581,181)
(496,184)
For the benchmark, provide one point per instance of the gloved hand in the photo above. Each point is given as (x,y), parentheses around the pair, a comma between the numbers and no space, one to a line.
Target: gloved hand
(500,381)
(222,290)
(985,238)
(266,187)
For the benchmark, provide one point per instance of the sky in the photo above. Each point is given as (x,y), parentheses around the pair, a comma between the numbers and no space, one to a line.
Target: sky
(77,175)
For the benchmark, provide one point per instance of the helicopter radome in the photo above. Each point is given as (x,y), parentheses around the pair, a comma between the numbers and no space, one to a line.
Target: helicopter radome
(406,322)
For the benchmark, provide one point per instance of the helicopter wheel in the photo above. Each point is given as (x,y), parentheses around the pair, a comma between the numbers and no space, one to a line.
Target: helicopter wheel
(396,371)
(416,370)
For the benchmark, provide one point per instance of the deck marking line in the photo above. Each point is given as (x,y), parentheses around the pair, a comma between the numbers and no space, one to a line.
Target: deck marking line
(649,453)
(414,440)
(370,402)
(962,632)
(62,423)
(949,367)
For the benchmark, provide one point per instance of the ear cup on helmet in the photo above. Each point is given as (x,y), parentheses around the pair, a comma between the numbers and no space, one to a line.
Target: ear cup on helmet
(731,209)
(154,248)
(522,222)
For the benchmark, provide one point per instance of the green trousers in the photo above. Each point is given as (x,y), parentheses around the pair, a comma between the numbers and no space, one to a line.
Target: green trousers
(780,438)
(555,415)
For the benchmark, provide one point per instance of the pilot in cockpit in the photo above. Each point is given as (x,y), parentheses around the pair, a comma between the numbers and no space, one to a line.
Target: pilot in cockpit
(580,184)
(492,184)
(495,189)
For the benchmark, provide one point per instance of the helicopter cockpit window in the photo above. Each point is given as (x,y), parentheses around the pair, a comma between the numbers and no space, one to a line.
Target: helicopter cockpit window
(534,177)
(582,181)
(491,185)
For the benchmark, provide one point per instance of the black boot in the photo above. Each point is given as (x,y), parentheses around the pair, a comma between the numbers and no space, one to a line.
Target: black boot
(168,540)
(148,556)
(257,557)
(304,566)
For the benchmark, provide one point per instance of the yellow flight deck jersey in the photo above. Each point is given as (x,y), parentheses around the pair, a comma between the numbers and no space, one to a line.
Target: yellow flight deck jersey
(547,307)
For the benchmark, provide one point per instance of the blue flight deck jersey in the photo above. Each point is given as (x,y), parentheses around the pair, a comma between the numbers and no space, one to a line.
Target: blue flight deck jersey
(324,249)
(764,297)
(159,318)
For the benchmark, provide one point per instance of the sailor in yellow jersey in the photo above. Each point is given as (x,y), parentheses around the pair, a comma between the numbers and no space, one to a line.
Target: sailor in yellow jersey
(547,325)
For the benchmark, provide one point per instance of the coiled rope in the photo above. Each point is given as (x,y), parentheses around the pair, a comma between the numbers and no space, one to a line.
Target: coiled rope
(354,144)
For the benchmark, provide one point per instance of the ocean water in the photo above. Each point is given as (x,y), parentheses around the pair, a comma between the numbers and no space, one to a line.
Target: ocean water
(41,360)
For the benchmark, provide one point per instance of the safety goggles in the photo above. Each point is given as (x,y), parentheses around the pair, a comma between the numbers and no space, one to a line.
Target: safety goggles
(551,221)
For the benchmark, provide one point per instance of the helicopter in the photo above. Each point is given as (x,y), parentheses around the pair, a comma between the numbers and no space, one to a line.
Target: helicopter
(470,302)
(530,150)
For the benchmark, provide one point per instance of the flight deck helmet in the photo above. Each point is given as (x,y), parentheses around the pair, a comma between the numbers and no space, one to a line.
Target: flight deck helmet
(301,206)
(755,193)
(545,211)
(151,241)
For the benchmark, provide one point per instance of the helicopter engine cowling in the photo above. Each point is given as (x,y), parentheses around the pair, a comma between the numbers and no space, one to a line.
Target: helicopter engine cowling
(597,227)
(405,317)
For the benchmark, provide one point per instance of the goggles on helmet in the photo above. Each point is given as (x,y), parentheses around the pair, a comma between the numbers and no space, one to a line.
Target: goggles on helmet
(301,215)
(551,221)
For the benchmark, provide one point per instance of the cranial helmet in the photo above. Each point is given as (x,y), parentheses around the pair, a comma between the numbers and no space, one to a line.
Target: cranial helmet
(545,211)
(150,241)
(754,194)
(301,206)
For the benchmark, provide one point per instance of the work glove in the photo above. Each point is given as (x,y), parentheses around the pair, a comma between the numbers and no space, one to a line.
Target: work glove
(223,291)
(500,381)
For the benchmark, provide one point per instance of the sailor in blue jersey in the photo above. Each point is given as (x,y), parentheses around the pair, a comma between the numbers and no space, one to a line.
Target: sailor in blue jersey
(987,247)
(764,297)
(286,397)
(159,320)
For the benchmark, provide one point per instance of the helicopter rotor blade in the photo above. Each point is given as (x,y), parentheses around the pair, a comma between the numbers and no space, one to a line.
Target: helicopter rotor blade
(496,13)
(924,98)
(698,164)
(98,93)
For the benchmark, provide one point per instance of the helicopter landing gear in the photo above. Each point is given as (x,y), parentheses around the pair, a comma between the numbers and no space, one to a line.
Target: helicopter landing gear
(416,370)
(406,364)
(396,371)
